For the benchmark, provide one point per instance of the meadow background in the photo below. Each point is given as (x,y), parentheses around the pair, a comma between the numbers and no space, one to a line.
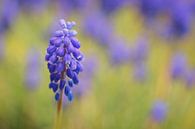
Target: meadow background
(137,73)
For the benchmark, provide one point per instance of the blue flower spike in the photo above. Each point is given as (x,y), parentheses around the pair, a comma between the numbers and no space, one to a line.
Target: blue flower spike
(64,60)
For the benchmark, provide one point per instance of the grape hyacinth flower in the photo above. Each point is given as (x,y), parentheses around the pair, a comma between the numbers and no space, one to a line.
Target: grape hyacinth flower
(158,111)
(64,60)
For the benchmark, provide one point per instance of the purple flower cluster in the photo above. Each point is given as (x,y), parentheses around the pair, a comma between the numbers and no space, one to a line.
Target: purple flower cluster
(178,16)
(64,57)
(159,111)
(119,52)
(105,36)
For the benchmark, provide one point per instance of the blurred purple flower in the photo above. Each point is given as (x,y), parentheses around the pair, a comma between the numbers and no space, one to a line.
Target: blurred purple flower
(178,12)
(180,20)
(159,111)
(111,6)
(64,59)
(150,9)
(119,52)
(178,66)
(97,27)
(140,51)
(8,12)
(33,77)
(33,5)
